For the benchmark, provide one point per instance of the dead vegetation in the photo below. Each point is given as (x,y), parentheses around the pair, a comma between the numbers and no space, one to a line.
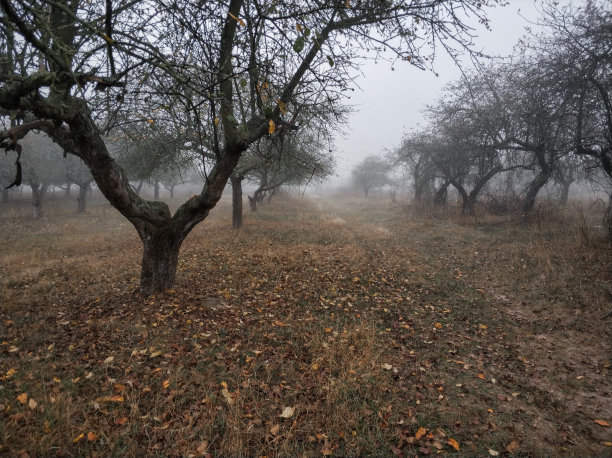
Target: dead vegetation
(300,335)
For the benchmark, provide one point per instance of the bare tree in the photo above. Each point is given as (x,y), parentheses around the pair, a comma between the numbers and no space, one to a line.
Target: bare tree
(89,66)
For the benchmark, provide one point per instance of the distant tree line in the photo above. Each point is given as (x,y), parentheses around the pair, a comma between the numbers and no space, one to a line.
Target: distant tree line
(541,117)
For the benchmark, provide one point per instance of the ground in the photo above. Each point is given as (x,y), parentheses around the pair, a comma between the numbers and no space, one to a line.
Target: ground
(347,327)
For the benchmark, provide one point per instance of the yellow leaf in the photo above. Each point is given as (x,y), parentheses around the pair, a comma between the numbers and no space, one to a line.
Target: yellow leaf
(91,436)
(78,438)
(10,373)
(481,376)
(224,385)
(228,396)
(240,21)
(420,433)
(23,397)
(216,121)
(108,39)
(150,121)
(32,404)
(271,127)
(453,443)
(602,422)
(438,325)
(166,383)
(155,354)
(607,444)
(282,107)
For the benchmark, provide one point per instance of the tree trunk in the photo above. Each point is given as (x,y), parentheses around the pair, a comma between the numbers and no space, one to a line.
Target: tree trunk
(441,196)
(608,218)
(365,192)
(565,188)
(139,187)
(38,193)
(532,191)
(156,190)
(467,209)
(253,203)
(68,186)
(271,194)
(171,189)
(82,199)
(236,201)
(159,260)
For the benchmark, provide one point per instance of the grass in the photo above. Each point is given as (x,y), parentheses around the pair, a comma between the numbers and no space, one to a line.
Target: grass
(367,321)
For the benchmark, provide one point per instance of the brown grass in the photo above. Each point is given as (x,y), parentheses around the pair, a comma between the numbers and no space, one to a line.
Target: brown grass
(483,330)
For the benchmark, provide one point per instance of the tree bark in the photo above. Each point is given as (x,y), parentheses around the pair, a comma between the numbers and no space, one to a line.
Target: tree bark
(156,190)
(532,191)
(68,186)
(159,259)
(253,203)
(82,199)
(236,201)
(441,195)
(38,194)
(564,196)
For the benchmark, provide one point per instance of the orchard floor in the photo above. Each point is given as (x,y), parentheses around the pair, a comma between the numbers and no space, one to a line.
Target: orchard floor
(342,327)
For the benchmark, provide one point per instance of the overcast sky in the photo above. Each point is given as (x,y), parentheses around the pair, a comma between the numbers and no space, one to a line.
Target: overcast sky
(390,102)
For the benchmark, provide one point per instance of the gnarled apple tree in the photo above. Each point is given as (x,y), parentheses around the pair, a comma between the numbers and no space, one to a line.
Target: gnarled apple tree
(78,70)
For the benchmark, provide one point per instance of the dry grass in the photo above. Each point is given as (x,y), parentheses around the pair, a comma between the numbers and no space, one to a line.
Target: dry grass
(366,321)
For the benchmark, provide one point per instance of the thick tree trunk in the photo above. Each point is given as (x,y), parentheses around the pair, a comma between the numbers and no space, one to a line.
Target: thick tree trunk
(271,194)
(532,191)
(82,199)
(236,201)
(139,187)
(159,260)
(156,190)
(171,189)
(468,206)
(68,186)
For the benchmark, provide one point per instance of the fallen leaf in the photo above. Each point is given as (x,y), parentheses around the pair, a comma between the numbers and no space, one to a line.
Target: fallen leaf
(453,443)
(420,433)
(227,395)
(287,412)
(387,367)
(78,438)
(274,430)
(121,421)
(493,452)
(109,360)
(201,447)
(91,436)
(481,376)
(602,422)
(22,398)
(32,404)
(513,446)
(438,325)
(166,383)
(155,354)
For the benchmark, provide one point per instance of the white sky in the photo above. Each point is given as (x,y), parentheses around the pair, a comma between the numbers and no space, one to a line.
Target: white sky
(390,102)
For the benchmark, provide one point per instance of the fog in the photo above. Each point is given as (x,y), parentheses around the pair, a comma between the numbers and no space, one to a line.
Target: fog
(388,103)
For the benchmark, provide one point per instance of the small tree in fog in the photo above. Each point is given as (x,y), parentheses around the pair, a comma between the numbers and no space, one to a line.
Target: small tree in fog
(371,173)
